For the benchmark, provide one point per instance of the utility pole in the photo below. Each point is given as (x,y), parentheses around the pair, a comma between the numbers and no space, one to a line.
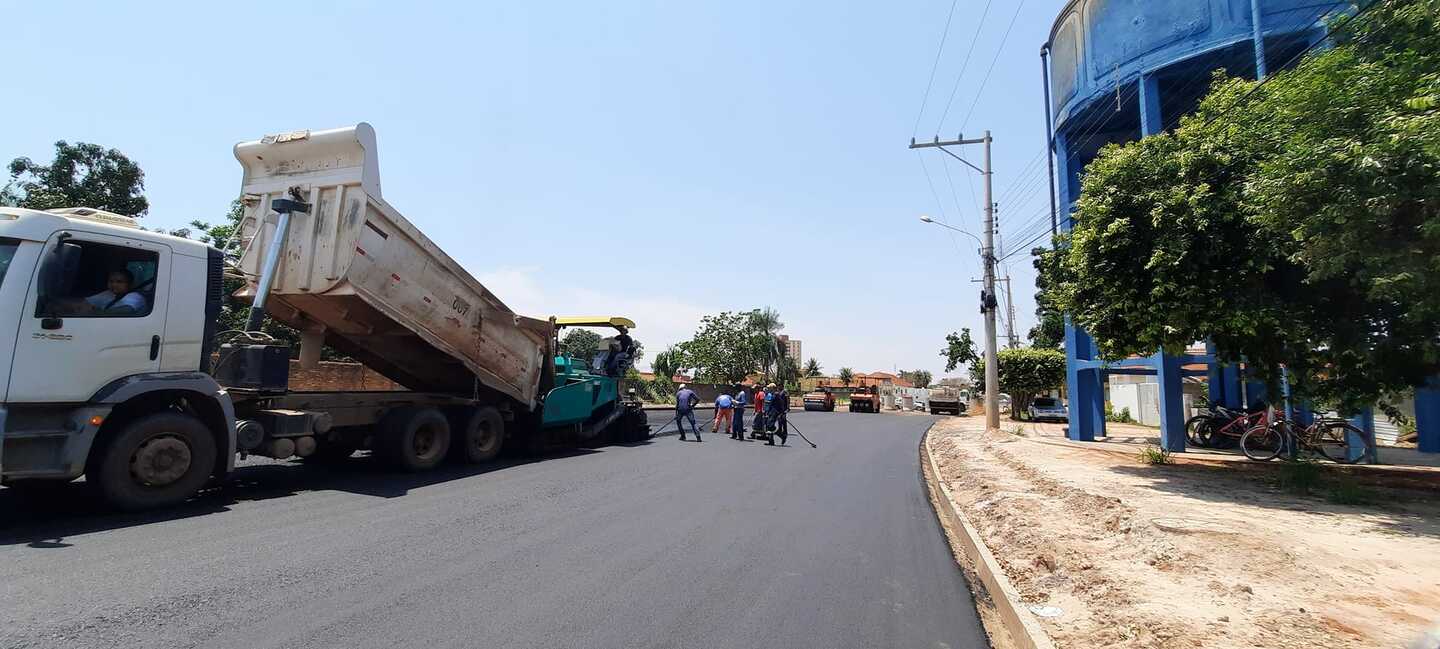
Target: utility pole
(988,302)
(1010,312)
(1011,336)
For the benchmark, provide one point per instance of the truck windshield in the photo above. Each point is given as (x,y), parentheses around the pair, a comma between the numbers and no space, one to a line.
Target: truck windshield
(7,252)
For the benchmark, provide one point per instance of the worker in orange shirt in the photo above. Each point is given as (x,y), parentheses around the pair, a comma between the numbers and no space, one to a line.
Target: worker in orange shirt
(757,429)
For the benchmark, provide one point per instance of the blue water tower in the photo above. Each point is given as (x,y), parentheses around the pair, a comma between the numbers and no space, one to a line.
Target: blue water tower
(1118,70)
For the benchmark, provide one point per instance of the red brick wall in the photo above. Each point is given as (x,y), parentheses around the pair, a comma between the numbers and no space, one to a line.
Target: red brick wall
(336,377)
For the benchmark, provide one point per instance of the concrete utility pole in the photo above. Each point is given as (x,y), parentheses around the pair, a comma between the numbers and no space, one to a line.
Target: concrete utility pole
(1010,312)
(988,302)
(1012,338)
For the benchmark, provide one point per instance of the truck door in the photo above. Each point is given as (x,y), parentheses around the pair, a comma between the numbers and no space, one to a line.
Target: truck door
(17,259)
(107,322)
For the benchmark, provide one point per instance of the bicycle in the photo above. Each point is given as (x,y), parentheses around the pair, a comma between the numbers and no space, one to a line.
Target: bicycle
(1222,427)
(1334,439)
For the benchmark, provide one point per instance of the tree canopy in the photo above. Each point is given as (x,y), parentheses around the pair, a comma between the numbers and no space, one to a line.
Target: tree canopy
(81,175)
(918,378)
(847,376)
(812,368)
(729,346)
(724,349)
(580,344)
(1023,374)
(1295,223)
(959,350)
(1049,329)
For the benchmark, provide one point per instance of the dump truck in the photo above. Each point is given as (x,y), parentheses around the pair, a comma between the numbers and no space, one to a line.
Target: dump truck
(865,398)
(946,400)
(117,369)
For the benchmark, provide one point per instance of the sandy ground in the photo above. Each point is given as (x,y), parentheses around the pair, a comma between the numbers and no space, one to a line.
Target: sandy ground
(1189,555)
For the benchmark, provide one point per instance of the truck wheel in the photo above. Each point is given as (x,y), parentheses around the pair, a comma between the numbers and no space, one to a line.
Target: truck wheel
(481,437)
(414,439)
(154,461)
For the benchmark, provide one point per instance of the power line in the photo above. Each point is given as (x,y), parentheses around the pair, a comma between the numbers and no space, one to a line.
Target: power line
(938,203)
(979,92)
(1030,175)
(944,35)
(964,66)
(1290,29)
(1027,244)
(1307,50)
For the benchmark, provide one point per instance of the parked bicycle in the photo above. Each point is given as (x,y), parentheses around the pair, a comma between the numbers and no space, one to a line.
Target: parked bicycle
(1221,427)
(1335,439)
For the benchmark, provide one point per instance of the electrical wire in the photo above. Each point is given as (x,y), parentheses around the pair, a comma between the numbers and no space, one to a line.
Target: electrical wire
(944,35)
(980,92)
(964,66)
(1329,33)
(1028,178)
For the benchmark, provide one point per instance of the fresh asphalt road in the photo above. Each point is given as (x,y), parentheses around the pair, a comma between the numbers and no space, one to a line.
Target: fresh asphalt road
(658,544)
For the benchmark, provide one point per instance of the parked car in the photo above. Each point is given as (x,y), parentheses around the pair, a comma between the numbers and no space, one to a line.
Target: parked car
(1043,408)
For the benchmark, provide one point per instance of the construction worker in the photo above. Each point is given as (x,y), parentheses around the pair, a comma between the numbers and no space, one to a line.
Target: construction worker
(685,400)
(742,400)
(724,409)
(757,427)
(776,407)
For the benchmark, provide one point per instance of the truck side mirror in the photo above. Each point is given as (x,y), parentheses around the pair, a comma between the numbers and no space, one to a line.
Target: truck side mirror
(58,272)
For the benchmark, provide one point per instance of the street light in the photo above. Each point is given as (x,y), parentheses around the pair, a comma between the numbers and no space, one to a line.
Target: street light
(992,361)
(926,218)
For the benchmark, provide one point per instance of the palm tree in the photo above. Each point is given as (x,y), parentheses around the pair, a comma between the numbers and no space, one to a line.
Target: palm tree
(764,323)
(846,376)
(666,364)
(812,368)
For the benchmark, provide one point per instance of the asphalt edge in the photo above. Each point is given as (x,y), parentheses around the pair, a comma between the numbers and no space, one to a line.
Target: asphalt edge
(1024,630)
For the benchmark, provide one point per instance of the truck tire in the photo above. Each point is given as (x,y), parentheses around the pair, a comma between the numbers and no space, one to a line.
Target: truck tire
(154,461)
(414,439)
(480,436)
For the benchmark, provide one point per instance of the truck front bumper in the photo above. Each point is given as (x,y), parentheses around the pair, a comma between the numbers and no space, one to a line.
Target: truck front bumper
(28,452)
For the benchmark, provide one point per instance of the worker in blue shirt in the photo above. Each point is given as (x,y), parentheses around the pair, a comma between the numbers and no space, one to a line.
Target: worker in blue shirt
(685,401)
(742,402)
(777,406)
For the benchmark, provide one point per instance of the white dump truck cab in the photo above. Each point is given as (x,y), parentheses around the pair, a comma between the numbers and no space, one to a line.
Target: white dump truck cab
(105,356)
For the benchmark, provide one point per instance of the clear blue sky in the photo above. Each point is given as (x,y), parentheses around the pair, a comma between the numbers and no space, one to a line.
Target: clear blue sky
(662,160)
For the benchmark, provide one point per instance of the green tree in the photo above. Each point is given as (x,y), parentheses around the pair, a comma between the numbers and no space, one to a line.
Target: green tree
(725,348)
(959,350)
(846,376)
(764,324)
(580,344)
(1295,224)
(1049,330)
(812,368)
(667,364)
(81,175)
(1025,373)
(918,378)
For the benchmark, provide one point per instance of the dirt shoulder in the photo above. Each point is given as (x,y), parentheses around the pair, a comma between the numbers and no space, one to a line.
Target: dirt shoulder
(1196,555)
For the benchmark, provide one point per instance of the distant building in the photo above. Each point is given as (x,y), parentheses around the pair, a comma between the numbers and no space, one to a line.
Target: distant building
(792,350)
